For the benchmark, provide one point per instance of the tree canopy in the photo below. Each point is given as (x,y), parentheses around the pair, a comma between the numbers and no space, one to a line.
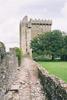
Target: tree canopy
(49,43)
(64,49)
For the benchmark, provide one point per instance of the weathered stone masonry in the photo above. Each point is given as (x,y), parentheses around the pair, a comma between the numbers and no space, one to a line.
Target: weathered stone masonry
(55,88)
(7,73)
(30,29)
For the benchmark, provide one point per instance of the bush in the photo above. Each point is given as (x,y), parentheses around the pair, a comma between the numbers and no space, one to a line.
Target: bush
(37,57)
(19,54)
(2,51)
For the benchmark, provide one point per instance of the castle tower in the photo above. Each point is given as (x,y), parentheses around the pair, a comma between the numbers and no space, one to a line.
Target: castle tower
(23,34)
(30,29)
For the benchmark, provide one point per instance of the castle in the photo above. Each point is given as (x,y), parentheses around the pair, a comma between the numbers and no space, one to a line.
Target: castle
(30,29)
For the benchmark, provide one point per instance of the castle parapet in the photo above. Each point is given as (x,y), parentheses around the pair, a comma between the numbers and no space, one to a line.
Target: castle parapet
(41,22)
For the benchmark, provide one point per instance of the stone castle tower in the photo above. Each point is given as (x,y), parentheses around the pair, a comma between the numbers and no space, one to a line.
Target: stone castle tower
(30,29)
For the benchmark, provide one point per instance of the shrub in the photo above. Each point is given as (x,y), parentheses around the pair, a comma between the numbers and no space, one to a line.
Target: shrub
(2,51)
(37,57)
(19,54)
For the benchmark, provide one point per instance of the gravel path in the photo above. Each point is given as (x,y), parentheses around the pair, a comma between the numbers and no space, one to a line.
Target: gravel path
(27,84)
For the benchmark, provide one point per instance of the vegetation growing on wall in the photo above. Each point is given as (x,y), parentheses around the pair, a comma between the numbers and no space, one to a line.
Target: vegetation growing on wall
(2,51)
(18,54)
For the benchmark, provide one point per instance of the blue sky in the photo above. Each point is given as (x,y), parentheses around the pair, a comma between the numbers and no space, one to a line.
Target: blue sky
(12,11)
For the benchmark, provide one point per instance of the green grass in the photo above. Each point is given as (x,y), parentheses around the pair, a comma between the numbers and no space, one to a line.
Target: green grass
(57,68)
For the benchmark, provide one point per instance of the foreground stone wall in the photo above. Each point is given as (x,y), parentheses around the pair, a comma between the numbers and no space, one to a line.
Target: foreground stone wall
(12,67)
(3,78)
(7,73)
(54,88)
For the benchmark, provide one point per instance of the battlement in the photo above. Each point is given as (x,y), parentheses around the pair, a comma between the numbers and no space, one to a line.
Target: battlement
(41,22)
(36,21)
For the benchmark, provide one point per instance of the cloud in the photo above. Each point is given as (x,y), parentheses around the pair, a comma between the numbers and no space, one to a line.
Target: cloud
(60,23)
(64,10)
(9,32)
(12,11)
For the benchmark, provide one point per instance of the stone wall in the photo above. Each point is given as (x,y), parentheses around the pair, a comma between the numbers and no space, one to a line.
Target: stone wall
(54,88)
(39,29)
(7,73)
(3,78)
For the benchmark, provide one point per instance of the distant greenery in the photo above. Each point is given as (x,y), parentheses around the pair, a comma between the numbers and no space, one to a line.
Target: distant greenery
(2,51)
(57,68)
(19,54)
(52,45)
(64,49)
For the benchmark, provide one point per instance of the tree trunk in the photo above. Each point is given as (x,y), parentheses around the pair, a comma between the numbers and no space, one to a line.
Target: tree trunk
(52,57)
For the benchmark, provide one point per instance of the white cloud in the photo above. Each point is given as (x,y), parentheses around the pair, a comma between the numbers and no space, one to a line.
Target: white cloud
(64,10)
(12,11)
(9,32)
(60,23)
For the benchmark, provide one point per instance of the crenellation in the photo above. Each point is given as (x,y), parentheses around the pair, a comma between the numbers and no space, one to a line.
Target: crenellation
(41,22)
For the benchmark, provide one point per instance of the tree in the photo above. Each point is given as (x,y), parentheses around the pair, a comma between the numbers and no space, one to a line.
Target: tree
(53,43)
(37,45)
(49,43)
(64,49)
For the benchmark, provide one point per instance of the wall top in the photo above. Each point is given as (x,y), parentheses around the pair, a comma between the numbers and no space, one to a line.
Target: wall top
(36,21)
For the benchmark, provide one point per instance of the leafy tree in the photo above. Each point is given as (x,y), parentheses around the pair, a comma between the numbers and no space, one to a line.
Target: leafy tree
(64,49)
(37,45)
(49,43)
(53,43)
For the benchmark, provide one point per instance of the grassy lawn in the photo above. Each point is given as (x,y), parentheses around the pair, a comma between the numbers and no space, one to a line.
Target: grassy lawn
(57,68)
